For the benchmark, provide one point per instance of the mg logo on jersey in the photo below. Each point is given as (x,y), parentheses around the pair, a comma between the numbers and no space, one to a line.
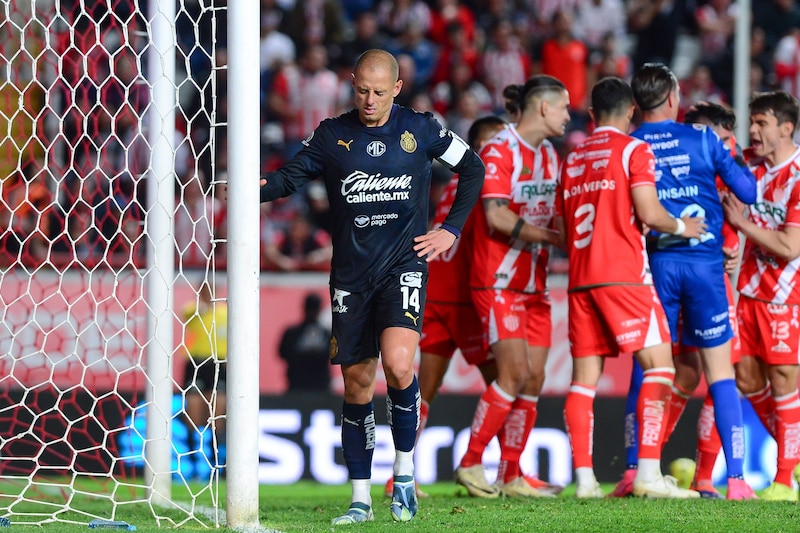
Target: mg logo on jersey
(376,148)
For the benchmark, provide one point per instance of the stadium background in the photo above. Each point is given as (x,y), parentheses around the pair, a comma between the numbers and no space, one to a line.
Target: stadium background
(297,413)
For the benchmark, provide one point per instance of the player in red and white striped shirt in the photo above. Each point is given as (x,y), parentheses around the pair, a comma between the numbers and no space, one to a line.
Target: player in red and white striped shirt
(769,303)
(508,281)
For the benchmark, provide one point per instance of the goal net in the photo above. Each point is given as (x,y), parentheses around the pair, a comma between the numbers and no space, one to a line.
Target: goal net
(104,389)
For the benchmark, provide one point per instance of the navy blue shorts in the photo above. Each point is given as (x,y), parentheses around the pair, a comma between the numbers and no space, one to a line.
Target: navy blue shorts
(359,318)
(694,291)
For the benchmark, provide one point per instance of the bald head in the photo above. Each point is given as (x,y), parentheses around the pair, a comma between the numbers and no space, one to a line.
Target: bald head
(374,60)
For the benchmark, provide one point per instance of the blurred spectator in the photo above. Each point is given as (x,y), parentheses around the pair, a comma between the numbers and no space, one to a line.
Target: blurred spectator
(422,102)
(198,217)
(319,208)
(515,11)
(716,22)
(313,22)
(567,58)
(655,25)
(366,36)
(425,53)
(787,62)
(305,349)
(504,63)
(300,247)
(608,60)
(276,48)
(407,71)
(459,80)
(761,56)
(446,13)
(205,341)
(777,18)
(699,87)
(303,95)
(465,112)
(24,224)
(545,10)
(71,228)
(119,216)
(394,16)
(595,19)
(457,50)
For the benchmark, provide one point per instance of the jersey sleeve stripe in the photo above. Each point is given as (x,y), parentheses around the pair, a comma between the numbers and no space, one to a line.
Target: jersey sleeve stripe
(452,156)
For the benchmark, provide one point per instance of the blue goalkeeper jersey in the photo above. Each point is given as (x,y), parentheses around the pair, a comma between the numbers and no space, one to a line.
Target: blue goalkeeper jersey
(689,157)
(378,183)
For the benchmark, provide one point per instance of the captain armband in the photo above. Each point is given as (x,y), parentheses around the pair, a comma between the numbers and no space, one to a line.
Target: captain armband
(517,228)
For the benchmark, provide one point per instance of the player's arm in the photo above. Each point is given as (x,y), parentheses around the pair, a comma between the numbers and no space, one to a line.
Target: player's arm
(299,170)
(460,158)
(502,219)
(783,243)
(734,172)
(650,211)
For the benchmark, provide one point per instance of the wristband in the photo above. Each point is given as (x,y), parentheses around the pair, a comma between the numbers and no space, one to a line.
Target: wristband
(517,228)
(681,227)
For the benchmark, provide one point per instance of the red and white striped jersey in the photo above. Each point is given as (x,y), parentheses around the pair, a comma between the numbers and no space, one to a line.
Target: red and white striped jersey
(764,276)
(526,177)
(605,244)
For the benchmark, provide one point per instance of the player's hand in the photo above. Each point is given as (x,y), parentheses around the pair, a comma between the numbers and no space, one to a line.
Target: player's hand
(731,259)
(262,182)
(433,243)
(695,227)
(553,237)
(734,210)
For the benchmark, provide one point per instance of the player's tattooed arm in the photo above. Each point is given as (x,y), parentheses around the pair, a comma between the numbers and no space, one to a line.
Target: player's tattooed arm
(502,219)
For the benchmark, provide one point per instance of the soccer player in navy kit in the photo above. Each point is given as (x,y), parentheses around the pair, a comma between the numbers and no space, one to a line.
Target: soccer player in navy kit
(688,273)
(376,165)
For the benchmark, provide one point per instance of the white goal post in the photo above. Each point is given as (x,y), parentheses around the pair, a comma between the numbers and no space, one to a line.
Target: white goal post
(113,230)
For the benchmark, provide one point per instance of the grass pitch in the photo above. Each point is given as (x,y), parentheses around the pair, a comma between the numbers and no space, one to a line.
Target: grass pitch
(309,507)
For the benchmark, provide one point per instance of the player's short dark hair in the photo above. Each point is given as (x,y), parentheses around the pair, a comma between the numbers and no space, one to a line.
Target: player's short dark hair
(479,128)
(716,114)
(611,96)
(519,96)
(652,84)
(782,104)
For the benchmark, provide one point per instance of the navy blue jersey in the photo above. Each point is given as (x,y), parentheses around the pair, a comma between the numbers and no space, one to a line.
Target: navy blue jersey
(378,182)
(689,157)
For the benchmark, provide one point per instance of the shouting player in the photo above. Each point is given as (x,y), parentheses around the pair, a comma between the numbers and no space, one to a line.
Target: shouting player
(376,164)
(769,298)
(606,193)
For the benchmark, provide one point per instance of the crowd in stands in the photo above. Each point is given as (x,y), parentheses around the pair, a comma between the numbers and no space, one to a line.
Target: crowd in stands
(455,58)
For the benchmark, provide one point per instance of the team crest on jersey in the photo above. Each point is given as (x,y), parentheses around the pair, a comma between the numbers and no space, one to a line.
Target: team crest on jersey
(407,142)
(333,347)
(376,148)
